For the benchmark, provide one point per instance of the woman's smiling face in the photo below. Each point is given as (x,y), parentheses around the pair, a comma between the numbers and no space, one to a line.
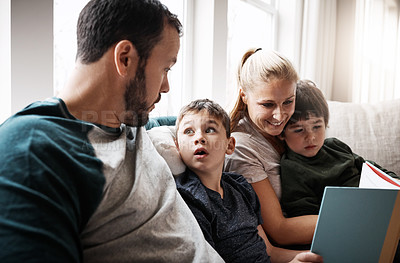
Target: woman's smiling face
(271,105)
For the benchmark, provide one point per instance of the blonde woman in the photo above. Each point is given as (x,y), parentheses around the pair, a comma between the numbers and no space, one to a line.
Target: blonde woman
(266,101)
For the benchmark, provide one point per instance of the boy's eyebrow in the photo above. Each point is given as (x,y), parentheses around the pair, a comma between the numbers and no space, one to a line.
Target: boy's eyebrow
(317,121)
(187,122)
(294,125)
(213,122)
(210,121)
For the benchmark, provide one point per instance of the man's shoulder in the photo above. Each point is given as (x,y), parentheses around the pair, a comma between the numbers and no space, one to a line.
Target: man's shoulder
(38,131)
(49,117)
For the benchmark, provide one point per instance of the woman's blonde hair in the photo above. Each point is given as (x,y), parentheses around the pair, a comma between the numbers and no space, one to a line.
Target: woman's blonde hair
(256,68)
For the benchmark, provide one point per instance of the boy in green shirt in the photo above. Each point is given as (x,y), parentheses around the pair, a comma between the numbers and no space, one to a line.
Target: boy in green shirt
(310,161)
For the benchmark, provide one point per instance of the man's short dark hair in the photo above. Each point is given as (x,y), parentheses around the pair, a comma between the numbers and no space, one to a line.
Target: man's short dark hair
(102,23)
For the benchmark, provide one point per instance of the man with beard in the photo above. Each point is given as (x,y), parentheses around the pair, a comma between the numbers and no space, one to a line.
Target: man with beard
(79,177)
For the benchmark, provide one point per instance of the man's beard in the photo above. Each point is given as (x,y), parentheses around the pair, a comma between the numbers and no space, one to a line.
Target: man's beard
(136,109)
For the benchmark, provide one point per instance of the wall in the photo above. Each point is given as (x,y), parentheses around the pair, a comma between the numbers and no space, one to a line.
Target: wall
(31,52)
(5,60)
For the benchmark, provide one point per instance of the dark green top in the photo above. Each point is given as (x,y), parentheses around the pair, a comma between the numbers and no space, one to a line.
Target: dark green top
(50,184)
(304,178)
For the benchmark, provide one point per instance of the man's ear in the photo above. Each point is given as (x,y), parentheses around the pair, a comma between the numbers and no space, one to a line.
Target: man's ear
(126,57)
(243,95)
(231,145)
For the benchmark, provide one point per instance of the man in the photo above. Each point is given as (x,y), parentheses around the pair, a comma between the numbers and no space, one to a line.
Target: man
(79,177)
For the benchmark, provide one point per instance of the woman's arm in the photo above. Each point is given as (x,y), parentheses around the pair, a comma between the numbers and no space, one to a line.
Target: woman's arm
(277,254)
(283,231)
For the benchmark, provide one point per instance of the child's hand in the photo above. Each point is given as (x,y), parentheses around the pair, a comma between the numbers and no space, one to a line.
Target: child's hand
(307,257)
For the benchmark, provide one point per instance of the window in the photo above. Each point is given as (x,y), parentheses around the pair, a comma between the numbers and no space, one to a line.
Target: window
(377,51)
(65,19)
(170,103)
(251,23)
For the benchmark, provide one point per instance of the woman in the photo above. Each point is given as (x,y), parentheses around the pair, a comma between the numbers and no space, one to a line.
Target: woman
(267,88)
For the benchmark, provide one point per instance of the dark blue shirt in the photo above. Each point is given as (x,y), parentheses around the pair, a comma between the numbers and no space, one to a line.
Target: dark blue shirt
(228,224)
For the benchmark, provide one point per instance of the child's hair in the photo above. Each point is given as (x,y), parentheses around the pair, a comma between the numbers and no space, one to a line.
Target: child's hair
(212,108)
(256,68)
(310,102)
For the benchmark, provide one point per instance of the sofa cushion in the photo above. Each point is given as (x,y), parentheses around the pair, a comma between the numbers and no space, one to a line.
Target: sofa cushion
(163,138)
(371,130)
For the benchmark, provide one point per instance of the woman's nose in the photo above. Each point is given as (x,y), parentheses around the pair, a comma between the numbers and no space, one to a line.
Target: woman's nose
(278,114)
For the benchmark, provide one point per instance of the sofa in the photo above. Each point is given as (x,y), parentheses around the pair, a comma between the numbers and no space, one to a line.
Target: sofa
(371,130)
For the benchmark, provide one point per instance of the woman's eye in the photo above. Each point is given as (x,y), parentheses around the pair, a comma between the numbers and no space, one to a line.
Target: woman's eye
(268,105)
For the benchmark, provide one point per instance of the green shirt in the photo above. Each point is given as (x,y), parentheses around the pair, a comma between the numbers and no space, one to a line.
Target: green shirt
(304,179)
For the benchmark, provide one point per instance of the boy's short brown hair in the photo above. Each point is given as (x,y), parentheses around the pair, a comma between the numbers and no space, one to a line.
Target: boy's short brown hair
(212,108)
(310,102)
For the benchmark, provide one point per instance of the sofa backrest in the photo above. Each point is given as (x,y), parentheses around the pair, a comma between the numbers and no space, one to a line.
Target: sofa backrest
(371,130)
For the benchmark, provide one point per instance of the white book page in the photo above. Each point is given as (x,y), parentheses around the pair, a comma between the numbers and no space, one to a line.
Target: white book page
(369,179)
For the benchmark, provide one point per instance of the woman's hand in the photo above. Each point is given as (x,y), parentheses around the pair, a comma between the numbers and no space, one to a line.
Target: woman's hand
(307,257)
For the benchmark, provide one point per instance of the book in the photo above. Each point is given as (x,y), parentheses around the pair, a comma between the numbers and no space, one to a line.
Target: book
(373,177)
(359,224)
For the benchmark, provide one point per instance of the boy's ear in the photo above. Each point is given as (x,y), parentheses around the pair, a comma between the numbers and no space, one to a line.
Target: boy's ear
(281,136)
(176,143)
(231,146)
(126,57)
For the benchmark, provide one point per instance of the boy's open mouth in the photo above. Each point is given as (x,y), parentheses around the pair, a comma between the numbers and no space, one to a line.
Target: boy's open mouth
(200,152)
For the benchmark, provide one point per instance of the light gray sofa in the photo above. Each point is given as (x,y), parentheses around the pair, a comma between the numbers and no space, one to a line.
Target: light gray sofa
(371,130)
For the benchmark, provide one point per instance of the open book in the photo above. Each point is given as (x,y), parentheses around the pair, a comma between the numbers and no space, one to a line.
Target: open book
(372,177)
(359,224)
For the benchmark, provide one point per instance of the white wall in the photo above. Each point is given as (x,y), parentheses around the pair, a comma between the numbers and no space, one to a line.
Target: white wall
(5,59)
(31,52)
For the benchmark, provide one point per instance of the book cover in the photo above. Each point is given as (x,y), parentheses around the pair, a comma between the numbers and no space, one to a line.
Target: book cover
(358,225)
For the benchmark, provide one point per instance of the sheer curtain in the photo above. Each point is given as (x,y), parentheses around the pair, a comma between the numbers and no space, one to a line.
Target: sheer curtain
(318,43)
(377,51)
